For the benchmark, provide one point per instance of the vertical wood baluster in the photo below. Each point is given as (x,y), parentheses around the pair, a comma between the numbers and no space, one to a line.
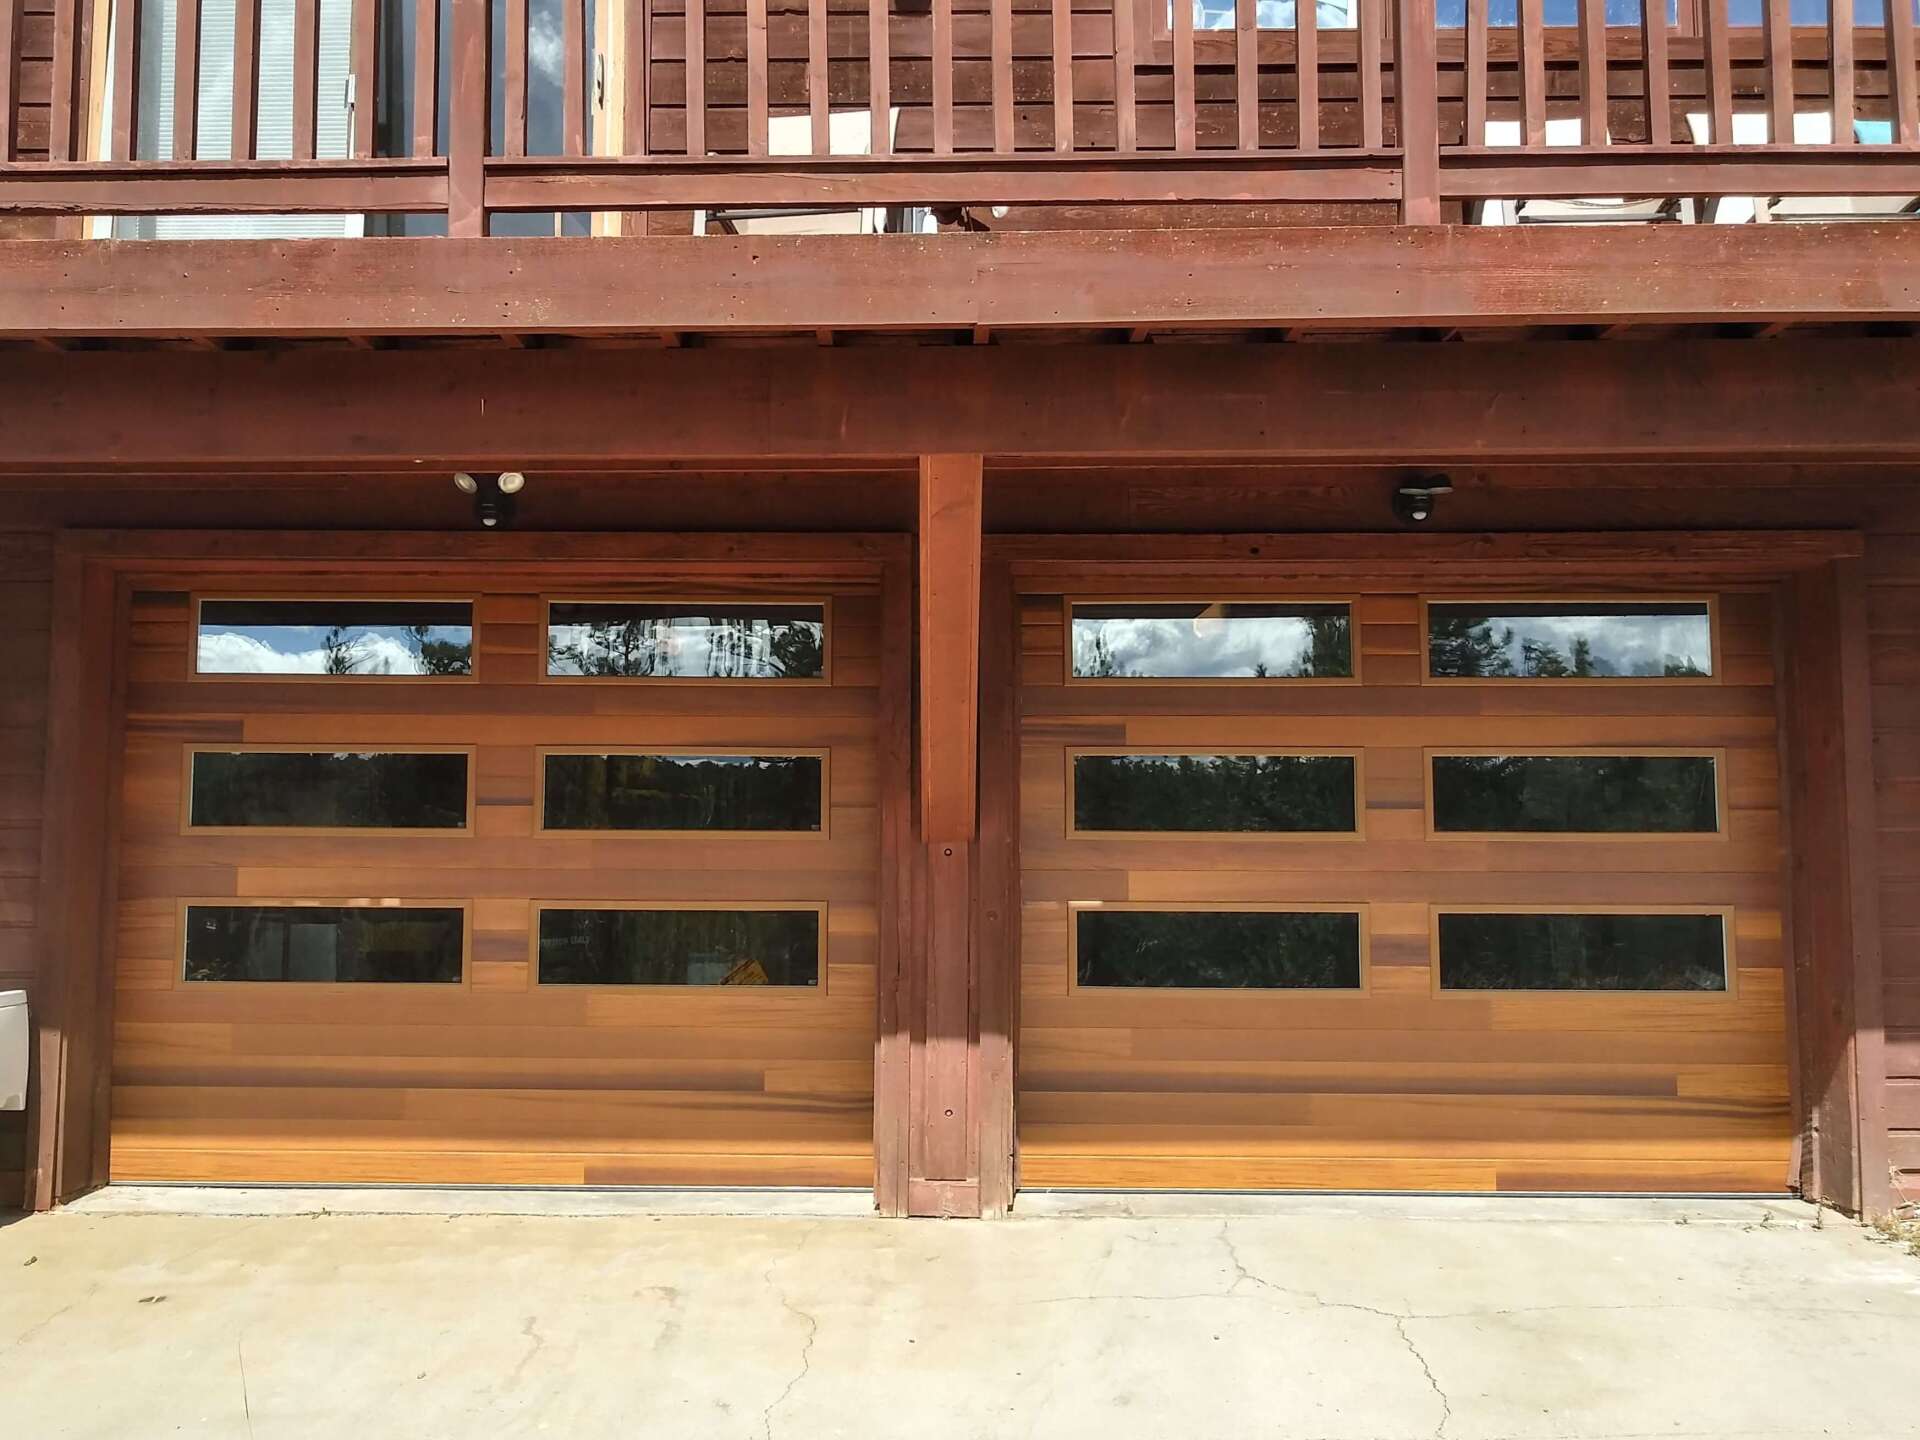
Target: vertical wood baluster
(575,56)
(1125,131)
(1002,42)
(306,75)
(1416,83)
(126,73)
(880,74)
(1901,81)
(1593,72)
(696,77)
(365,63)
(1307,71)
(1533,74)
(1246,72)
(61,130)
(638,77)
(514,142)
(1373,107)
(10,28)
(1719,74)
(1776,28)
(756,77)
(943,77)
(426,77)
(469,104)
(1476,72)
(819,97)
(1840,67)
(186,78)
(1063,75)
(1185,126)
(1653,54)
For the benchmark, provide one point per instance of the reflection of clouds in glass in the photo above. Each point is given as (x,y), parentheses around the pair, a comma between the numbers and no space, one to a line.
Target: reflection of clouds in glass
(546,42)
(1271,14)
(1620,644)
(1207,647)
(685,648)
(307,650)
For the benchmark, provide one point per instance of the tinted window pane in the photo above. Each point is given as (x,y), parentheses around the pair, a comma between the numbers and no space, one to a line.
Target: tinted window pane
(732,642)
(1215,793)
(1630,641)
(680,947)
(1218,949)
(328,790)
(683,792)
(335,637)
(1582,952)
(326,943)
(1587,794)
(1211,641)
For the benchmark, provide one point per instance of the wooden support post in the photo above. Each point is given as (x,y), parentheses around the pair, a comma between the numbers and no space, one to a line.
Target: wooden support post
(943,1148)
(467,120)
(67,1143)
(1834,901)
(1417,83)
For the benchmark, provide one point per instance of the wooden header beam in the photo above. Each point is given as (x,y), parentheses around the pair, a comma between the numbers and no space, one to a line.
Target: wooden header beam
(1831,401)
(1361,276)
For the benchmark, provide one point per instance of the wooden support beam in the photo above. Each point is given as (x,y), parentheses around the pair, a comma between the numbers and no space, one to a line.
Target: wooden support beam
(1830,401)
(1363,277)
(1836,974)
(943,1147)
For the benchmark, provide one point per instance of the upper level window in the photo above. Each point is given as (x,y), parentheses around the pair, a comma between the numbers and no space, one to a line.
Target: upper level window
(1210,640)
(686,640)
(1570,640)
(347,638)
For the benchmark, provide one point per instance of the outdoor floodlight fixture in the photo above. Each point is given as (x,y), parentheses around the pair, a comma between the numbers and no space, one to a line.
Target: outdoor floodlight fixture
(493,502)
(1413,502)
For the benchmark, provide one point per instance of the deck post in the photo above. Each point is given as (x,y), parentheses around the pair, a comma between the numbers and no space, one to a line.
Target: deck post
(943,1150)
(1416,81)
(467,121)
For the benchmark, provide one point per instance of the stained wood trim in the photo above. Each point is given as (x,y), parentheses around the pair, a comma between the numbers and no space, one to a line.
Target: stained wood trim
(693,601)
(1348,599)
(1573,601)
(996,884)
(1175,837)
(1262,996)
(802,994)
(178,978)
(823,754)
(1727,914)
(949,636)
(370,832)
(1717,754)
(894,979)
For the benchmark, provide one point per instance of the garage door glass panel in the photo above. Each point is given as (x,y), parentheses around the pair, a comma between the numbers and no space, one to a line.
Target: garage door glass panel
(737,948)
(334,790)
(1565,641)
(608,640)
(1211,640)
(1505,951)
(1217,949)
(765,793)
(339,638)
(1576,794)
(1221,794)
(327,944)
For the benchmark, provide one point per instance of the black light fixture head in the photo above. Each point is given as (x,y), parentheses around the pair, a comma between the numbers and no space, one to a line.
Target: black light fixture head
(493,502)
(1413,502)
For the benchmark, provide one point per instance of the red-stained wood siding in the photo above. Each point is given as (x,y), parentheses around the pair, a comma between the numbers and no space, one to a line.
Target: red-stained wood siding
(1893,618)
(24,597)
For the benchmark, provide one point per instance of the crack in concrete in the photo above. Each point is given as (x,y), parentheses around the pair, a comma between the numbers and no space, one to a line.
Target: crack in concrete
(528,1331)
(246,1400)
(1433,1383)
(806,1348)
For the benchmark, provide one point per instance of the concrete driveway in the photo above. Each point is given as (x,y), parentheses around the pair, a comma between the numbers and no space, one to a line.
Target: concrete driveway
(599,1316)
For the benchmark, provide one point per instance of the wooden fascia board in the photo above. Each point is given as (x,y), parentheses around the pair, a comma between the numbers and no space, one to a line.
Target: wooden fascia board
(1353,277)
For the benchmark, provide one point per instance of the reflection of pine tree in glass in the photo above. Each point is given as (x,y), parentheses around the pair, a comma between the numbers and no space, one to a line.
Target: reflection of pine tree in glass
(439,657)
(1460,646)
(342,654)
(798,649)
(1220,793)
(1329,648)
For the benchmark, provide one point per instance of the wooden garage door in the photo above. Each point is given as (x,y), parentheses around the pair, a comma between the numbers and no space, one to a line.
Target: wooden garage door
(1511,926)
(304,996)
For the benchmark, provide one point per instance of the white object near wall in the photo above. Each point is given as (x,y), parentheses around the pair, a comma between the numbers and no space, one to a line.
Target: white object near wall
(13,1049)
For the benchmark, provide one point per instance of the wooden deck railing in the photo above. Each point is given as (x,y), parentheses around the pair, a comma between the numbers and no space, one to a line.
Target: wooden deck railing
(468,109)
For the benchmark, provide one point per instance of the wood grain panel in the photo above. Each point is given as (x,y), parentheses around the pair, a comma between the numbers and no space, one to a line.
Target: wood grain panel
(497,1080)
(1401,1088)
(24,630)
